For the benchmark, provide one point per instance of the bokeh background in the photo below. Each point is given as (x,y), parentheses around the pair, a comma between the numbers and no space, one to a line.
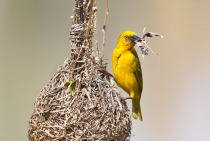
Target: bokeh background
(176,97)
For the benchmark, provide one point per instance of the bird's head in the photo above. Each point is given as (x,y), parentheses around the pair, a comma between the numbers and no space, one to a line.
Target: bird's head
(127,39)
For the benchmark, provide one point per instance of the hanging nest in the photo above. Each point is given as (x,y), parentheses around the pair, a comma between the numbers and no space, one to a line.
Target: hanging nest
(79,103)
(93,112)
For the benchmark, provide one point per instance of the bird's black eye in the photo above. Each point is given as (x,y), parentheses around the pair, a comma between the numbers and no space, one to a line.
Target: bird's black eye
(126,37)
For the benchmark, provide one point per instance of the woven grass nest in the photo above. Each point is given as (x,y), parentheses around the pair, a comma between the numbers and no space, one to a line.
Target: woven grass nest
(78,102)
(93,113)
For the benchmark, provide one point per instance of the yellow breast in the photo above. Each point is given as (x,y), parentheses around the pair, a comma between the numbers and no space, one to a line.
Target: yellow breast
(123,68)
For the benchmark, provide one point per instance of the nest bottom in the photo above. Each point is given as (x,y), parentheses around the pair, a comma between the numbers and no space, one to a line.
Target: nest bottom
(94,112)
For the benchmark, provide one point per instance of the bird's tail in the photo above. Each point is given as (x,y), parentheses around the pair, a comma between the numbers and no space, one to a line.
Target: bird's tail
(136,109)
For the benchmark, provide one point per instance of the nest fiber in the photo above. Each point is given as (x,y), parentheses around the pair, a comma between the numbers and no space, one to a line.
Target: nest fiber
(78,102)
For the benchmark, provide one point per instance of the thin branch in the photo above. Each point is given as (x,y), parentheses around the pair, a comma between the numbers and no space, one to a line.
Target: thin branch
(104,28)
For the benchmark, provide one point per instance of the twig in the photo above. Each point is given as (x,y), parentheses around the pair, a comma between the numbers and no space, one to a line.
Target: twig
(104,29)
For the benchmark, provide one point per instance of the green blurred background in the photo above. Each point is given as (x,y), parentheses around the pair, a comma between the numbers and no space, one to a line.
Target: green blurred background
(176,97)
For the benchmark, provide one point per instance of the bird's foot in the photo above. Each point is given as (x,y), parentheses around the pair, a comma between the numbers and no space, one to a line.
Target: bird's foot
(125,98)
(106,73)
(122,99)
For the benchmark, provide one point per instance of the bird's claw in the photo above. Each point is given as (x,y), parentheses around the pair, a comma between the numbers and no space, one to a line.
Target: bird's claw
(122,99)
(106,73)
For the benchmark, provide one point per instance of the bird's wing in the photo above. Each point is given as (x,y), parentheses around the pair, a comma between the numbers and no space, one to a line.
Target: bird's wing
(138,71)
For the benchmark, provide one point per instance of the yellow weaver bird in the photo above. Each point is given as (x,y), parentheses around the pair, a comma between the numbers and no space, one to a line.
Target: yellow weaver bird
(127,69)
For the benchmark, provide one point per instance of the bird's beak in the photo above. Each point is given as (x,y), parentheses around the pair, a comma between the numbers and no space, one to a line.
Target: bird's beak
(135,38)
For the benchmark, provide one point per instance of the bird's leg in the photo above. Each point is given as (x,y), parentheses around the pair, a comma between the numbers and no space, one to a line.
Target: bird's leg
(105,72)
(127,98)
(122,98)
